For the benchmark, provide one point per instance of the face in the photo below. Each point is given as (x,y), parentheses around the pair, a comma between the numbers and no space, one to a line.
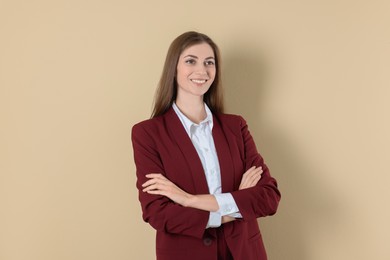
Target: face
(195,71)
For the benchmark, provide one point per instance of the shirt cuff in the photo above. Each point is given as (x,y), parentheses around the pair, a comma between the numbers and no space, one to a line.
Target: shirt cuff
(227,204)
(214,220)
(235,215)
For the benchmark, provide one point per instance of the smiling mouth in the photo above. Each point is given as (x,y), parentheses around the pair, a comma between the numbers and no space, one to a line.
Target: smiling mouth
(199,81)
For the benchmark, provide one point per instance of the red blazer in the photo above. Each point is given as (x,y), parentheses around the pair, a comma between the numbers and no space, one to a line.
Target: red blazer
(161,145)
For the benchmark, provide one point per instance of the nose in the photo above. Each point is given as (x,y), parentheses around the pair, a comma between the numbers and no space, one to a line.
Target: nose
(201,70)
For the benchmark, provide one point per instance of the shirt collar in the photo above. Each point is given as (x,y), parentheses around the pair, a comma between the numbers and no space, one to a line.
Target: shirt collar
(187,123)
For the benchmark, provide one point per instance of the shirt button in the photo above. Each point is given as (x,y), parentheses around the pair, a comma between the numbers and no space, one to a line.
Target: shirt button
(207,241)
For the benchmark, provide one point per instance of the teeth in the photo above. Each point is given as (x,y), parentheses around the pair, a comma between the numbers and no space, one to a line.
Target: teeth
(199,81)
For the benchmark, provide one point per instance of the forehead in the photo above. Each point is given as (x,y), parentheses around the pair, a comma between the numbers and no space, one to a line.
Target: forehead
(201,50)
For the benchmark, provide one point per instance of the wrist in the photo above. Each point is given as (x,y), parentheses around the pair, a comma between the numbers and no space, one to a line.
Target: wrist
(190,200)
(205,202)
(226,219)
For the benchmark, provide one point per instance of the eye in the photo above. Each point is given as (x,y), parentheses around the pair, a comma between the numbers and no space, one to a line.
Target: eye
(190,61)
(209,63)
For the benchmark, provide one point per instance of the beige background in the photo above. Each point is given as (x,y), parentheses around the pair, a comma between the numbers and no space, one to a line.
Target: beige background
(311,78)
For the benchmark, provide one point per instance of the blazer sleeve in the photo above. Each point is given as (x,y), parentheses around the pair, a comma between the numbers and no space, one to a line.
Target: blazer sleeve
(263,199)
(159,211)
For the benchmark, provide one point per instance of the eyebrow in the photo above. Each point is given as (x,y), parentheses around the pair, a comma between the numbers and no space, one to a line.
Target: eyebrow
(195,57)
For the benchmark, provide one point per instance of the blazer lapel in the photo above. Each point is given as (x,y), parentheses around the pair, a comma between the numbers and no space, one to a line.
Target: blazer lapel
(224,156)
(183,141)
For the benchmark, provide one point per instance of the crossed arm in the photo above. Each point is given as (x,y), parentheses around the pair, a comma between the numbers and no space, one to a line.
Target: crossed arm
(158,184)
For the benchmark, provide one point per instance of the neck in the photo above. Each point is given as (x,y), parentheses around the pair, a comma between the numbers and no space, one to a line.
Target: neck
(193,109)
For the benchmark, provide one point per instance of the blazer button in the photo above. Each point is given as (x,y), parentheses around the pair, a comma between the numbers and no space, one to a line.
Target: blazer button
(207,241)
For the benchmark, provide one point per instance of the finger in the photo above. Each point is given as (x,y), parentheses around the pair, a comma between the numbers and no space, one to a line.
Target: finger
(155,186)
(256,173)
(252,180)
(256,178)
(155,175)
(255,181)
(250,170)
(253,173)
(150,186)
(156,192)
(149,182)
(246,178)
(254,170)
(259,171)
(154,181)
(249,177)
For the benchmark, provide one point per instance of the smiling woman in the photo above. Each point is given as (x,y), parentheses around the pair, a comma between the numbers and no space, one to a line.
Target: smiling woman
(202,184)
(167,90)
(195,74)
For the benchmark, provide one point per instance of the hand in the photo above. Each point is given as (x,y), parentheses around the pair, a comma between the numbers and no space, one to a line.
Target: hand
(251,177)
(160,185)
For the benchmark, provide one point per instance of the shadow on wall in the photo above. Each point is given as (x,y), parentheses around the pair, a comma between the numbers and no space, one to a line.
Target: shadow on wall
(305,204)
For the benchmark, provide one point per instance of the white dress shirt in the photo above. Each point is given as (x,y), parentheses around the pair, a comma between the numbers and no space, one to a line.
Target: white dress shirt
(202,139)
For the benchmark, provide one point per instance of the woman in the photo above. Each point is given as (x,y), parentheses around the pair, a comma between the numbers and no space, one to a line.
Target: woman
(202,184)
